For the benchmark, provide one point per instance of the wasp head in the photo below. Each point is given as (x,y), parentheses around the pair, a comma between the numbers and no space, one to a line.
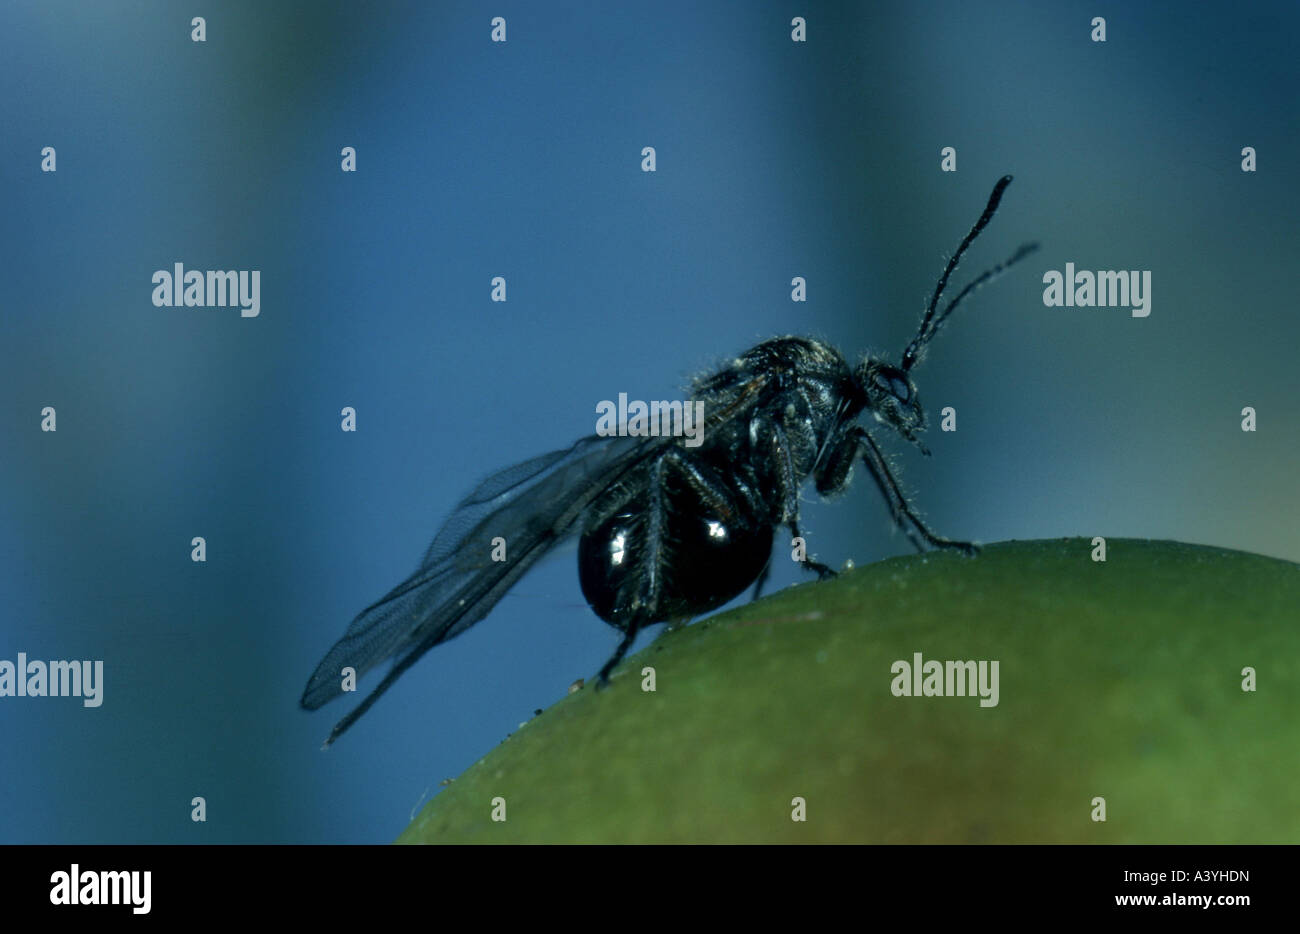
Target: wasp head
(891,397)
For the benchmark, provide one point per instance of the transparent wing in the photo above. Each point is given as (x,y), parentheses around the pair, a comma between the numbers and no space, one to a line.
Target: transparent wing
(533,506)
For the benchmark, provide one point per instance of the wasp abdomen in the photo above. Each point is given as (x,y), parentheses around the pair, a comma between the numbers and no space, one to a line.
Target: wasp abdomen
(709,553)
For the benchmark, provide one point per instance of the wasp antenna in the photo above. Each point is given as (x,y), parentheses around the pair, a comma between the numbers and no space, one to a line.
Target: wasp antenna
(928,325)
(982,279)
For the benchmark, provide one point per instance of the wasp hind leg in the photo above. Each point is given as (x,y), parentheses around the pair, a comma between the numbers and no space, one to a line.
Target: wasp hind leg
(629,636)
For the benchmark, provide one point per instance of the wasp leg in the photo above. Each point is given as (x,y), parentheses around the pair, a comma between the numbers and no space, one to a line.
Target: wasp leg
(629,636)
(787,485)
(898,505)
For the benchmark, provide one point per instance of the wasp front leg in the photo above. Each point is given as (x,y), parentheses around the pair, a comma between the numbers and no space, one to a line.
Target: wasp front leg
(857,442)
(902,511)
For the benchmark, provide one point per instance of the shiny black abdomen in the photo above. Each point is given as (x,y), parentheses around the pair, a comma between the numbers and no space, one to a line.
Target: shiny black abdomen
(709,553)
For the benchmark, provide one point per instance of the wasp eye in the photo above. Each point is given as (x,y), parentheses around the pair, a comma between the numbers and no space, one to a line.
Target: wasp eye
(893,383)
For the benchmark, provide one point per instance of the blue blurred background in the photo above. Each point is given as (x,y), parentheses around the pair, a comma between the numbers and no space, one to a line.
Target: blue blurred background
(522,159)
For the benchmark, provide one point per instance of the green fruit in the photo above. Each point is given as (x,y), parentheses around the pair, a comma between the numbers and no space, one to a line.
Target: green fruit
(1120,680)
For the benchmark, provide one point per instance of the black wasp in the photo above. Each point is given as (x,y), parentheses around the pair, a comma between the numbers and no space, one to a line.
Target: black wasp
(667,531)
